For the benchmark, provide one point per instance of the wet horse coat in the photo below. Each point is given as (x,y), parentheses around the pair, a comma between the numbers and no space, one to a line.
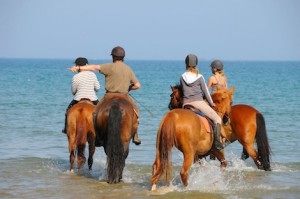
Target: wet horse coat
(247,125)
(115,125)
(184,130)
(80,129)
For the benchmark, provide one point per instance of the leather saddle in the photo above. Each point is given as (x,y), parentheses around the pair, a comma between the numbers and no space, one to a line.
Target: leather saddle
(208,123)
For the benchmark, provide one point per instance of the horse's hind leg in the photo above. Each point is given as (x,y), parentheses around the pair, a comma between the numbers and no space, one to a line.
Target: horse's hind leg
(72,146)
(184,172)
(91,141)
(80,155)
(72,159)
(254,155)
(156,173)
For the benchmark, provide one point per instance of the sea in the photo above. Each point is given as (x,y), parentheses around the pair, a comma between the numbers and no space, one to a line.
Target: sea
(34,155)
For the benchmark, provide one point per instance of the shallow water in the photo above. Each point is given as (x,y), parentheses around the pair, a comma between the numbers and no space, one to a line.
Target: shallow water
(34,155)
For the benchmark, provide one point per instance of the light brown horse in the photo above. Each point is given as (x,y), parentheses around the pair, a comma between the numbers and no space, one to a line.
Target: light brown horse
(247,125)
(115,125)
(80,129)
(183,129)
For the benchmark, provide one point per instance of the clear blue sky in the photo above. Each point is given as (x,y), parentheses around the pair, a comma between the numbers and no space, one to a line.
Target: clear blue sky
(154,29)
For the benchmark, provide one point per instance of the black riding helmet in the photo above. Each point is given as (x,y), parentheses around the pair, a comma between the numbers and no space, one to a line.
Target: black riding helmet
(217,64)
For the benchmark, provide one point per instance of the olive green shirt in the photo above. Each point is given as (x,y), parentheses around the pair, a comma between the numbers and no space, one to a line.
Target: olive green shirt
(118,77)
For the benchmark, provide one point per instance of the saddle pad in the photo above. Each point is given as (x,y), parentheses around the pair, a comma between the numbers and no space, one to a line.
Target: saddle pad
(205,122)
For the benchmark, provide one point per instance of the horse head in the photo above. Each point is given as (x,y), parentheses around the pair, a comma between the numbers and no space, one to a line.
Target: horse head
(176,97)
(223,100)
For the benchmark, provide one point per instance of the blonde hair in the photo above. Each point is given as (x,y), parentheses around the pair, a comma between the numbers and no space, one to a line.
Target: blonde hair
(221,72)
(192,69)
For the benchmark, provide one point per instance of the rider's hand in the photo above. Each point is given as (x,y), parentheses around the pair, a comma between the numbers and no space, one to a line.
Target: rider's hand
(74,68)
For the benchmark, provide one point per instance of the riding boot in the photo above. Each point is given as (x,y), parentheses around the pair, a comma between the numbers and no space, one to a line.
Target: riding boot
(217,143)
(136,140)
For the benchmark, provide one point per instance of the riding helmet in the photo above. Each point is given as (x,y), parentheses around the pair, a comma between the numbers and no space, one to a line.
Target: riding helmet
(191,60)
(217,64)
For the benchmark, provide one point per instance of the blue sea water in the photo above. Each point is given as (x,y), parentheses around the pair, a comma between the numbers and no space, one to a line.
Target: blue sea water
(34,155)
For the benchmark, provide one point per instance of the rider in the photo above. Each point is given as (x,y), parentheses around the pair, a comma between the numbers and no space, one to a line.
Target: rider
(84,85)
(195,91)
(218,79)
(119,78)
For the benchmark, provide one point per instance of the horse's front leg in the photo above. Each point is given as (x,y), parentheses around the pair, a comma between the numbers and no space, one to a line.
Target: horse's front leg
(220,156)
(184,173)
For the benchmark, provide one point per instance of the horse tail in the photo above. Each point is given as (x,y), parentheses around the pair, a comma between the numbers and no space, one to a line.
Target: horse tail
(114,146)
(263,147)
(164,144)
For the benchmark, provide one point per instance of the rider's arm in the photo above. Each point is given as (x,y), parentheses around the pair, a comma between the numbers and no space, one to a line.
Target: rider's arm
(210,82)
(206,92)
(135,86)
(85,68)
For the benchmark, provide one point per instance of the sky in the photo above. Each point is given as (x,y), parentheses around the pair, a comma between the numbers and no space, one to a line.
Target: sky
(151,30)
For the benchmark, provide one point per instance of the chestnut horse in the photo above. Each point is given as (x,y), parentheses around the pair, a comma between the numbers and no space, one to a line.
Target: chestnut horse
(80,129)
(116,123)
(183,129)
(247,125)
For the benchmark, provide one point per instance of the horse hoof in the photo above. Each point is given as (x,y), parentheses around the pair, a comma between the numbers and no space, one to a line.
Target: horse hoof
(223,164)
(153,188)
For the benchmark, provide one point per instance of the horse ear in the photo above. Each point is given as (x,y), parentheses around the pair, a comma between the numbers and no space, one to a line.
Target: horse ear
(172,88)
(231,91)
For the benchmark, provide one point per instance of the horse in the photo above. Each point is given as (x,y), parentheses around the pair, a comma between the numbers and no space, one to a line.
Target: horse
(80,129)
(116,122)
(247,125)
(185,130)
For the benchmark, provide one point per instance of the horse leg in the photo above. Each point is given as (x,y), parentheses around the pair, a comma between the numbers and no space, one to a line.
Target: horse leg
(220,156)
(184,172)
(72,159)
(156,173)
(72,146)
(245,155)
(80,155)
(254,155)
(91,141)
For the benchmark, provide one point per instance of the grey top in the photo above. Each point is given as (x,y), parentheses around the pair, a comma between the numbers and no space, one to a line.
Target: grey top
(194,88)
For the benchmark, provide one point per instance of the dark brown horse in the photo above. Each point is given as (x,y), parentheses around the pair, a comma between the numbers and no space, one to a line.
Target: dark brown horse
(247,125)
(185,130)
(115,125)
(80,129)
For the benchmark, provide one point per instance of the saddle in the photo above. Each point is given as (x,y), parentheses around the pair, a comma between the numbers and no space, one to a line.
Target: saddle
(208,123)
(85,100)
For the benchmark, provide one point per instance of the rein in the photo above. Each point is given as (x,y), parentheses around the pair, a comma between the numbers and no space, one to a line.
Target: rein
(142,105)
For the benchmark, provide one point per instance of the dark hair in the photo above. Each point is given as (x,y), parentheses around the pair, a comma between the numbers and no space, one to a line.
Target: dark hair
(81,61)
(117,58)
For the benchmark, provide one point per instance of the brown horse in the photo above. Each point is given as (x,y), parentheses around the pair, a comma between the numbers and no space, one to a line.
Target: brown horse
(185,130)
(247,125)
(80,129)
(115,125)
